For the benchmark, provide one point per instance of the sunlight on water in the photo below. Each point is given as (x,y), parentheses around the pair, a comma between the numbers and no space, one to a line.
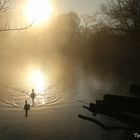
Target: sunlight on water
(36,80)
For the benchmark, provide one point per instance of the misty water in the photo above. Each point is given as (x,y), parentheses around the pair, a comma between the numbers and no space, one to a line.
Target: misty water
(55,112)
(68,85)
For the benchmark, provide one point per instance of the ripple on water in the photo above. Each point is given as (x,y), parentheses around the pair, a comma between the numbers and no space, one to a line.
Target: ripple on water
(15,97)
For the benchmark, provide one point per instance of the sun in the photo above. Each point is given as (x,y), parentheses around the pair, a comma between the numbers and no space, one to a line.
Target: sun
(38,11)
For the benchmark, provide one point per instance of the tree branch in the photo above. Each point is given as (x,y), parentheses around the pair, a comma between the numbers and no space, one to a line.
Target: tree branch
(16,28)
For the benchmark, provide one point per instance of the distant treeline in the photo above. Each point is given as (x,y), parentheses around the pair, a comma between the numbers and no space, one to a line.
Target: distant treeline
(108,39)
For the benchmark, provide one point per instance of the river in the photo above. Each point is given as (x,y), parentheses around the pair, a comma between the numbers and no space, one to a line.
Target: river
(59,100)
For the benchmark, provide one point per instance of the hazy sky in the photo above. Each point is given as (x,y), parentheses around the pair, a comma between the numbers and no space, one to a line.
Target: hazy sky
(60,6)
(79,6)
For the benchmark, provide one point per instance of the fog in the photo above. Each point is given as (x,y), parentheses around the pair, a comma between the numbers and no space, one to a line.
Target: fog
(68,61)
(103,56)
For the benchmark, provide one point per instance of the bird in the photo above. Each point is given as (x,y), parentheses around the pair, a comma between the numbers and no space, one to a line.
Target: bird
(33,95)
(26,108)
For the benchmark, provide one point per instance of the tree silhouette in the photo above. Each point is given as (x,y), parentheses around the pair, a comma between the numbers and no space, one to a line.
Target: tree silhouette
(5,6)
(122,15)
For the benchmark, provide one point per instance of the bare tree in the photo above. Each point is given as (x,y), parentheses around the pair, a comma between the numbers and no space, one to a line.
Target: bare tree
(5,6)
(88,24)
(123,15)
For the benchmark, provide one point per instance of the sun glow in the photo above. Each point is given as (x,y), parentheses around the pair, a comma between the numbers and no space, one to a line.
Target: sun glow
(36,80)
(38,11)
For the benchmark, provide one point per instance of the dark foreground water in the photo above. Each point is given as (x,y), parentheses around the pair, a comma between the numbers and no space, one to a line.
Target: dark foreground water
(54,116)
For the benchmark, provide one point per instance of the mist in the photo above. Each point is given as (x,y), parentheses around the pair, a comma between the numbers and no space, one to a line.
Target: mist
(62,46)
(57,70)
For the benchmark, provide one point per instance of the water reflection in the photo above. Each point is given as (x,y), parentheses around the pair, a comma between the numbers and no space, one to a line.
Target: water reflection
(59,84)
(36,80)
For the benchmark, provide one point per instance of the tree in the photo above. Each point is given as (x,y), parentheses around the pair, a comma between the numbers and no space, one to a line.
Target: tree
(68,24)
(122,15)
(65,28)
(5,6)
(88,24)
